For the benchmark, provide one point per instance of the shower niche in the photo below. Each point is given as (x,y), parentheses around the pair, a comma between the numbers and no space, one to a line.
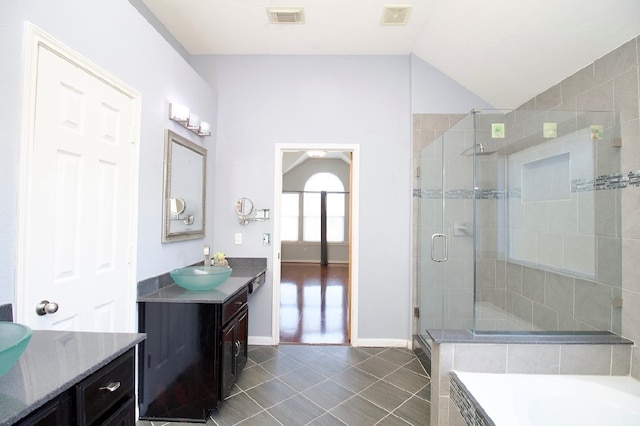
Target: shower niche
(518,222)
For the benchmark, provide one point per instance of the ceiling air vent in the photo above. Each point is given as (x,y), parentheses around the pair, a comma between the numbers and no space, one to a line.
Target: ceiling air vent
(294,15)
(397,14)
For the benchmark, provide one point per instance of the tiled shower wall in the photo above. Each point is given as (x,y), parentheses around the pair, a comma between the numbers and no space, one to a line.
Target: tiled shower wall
(548,247)
(608,84)
(611,84)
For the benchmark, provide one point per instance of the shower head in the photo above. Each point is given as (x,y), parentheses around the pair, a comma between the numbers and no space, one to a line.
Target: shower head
(479,151)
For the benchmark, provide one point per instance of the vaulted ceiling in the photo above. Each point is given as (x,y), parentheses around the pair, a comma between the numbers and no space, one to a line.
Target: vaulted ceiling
(505,51)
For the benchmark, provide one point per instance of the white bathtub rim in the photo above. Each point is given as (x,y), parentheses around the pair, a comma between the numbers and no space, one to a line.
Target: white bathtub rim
(505,397)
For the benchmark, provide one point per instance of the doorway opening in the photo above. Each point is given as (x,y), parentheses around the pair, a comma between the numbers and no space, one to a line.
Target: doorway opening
(314,273)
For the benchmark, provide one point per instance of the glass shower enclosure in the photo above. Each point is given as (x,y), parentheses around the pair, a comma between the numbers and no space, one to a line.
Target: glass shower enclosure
(518,223)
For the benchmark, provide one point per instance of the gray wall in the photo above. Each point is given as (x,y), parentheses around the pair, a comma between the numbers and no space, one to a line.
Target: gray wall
(433,92)
(611,83)
(364,100)
(294,179)
(263,100)
(112,34)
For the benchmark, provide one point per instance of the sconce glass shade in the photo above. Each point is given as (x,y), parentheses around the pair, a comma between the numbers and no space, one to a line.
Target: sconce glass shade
(194,122)
(205,129)
(179,113)
(190,121)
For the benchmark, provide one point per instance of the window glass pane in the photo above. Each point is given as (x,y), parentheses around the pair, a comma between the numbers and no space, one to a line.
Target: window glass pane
(335,229)
(289,230)
(290,205)
(311,205)
(335,204)
(335,208)
(311,229)
(290,217)
(324,182)
(335,217)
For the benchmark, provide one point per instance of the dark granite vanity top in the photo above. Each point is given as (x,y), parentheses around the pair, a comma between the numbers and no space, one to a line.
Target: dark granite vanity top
(163,289)
(53,362)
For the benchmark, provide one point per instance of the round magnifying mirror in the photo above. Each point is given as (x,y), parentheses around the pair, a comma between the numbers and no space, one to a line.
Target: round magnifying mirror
(176,206)
(244,207)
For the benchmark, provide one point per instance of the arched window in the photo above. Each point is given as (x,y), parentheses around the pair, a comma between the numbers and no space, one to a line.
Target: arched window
(317,183)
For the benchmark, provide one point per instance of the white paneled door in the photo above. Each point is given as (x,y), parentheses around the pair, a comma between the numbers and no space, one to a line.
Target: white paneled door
(78,230)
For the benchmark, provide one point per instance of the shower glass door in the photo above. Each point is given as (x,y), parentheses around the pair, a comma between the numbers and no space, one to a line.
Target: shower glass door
(445,227)
(519,222)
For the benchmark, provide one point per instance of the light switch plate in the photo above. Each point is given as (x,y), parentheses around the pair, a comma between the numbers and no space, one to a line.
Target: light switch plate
(266,239)
(238,238)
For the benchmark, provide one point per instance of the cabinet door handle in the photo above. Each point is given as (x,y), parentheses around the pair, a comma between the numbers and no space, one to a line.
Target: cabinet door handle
(237,348)
(111,387)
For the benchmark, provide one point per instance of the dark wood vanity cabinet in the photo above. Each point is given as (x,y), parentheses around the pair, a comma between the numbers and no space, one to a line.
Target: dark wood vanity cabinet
(106,397)
(57,412)
(234,349)
(191,357)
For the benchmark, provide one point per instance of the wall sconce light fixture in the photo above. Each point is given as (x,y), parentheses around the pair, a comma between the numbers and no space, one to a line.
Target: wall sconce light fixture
(181,114)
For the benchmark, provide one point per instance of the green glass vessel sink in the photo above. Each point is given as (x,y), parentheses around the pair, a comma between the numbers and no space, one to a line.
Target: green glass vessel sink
(14,339)
(200,277)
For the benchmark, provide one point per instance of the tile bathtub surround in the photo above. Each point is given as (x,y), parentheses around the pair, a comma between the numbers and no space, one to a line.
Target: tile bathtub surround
(326,385)
(503,357)
(471,412)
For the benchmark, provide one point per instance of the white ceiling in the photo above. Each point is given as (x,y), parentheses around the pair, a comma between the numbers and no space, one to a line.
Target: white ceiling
(505,51)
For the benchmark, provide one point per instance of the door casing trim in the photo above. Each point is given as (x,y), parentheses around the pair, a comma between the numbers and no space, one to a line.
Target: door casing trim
(354,231)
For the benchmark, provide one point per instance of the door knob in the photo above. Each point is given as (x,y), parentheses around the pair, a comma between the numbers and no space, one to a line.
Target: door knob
(45,307)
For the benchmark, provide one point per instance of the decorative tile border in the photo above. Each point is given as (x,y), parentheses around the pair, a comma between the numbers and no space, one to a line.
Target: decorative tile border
(469,408)
(605,182)
(612,181)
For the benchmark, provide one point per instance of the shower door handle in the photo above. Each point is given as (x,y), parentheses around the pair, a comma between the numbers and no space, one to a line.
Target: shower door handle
(446,248)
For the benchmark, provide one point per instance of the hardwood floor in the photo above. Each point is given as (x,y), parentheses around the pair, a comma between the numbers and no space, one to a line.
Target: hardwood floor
(314,305)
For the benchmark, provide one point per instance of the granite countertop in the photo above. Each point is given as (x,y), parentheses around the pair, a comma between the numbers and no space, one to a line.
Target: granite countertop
(240,277)
(53,362)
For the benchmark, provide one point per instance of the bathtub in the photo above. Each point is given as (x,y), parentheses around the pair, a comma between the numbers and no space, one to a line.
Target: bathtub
(550,400)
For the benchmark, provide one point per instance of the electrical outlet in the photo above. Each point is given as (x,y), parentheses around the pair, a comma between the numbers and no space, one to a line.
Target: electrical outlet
(238,238)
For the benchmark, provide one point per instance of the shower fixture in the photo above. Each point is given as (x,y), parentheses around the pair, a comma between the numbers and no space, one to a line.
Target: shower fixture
(479,151)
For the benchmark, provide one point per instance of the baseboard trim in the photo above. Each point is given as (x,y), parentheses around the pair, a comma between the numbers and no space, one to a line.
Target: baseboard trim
(372,343)
(383,343)
(262,341)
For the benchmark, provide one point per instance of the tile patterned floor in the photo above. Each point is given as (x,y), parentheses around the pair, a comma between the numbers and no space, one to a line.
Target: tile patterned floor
(294,385)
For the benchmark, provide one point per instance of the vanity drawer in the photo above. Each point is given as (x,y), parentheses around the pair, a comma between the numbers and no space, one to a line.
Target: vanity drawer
(106,390)
(256,282)
(230,308)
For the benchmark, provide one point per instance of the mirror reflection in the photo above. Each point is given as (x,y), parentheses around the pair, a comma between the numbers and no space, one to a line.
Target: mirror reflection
(184,189)
(177,206)
(244,207)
